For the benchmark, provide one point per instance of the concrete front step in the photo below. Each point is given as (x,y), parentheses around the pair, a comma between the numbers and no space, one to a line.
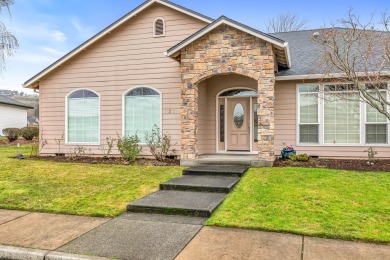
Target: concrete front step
(197,204)
(224,162)
(220,184)
(220,170)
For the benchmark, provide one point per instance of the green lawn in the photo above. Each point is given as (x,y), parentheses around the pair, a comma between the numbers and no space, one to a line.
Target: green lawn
(74,188)
(317,202)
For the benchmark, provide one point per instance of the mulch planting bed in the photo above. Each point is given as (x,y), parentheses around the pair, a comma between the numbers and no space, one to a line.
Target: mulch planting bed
(338,164)
(110,160)
(380,165)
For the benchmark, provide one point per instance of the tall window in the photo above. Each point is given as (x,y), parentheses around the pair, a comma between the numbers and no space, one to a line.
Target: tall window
(341,114)
(376,123)
(83,117)
(159,27)
(308,114)
(142,111)
(255,123)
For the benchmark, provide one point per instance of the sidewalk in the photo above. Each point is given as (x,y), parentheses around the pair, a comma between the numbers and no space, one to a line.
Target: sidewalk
(26,235)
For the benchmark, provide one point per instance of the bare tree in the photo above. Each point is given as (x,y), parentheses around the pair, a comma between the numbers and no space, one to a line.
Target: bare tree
(8,42)
(287,22)
(358,53)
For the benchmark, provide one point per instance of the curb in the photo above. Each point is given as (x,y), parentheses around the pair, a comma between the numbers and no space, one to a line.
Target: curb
(20,253)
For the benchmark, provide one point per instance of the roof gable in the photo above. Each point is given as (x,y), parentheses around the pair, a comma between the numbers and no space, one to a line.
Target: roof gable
(33,82)
(279,44)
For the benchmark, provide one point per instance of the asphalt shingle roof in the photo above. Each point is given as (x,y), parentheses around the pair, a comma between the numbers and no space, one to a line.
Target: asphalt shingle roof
(9,101)
(305,54)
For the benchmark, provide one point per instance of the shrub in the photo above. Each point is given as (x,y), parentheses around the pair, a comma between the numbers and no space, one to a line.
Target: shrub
(293,157)
(128,147)
(299,157)
(106,146)
(158,143)
(303,157)
(371,152)
(29,133)
(11,133)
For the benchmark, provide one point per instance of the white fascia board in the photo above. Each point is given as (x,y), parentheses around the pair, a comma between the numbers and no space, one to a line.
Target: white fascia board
(287,53)
(327,76)
(185,11)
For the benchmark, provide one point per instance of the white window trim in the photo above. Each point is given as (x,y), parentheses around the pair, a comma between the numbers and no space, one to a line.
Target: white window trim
(375,123)
(124,109)
(322,96)
(321,104)
(298,109)
(154,28)
(66,120)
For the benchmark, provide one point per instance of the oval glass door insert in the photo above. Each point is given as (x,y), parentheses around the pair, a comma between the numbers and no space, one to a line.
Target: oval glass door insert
(238,115)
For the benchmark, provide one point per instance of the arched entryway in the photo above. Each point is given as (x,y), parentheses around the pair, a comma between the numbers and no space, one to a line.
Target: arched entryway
(224,52)
(224,100)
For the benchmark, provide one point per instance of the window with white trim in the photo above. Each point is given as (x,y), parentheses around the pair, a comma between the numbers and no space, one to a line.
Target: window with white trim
(333,114)
(83,120)
(159,27)
(376,122)
(142,111)
(308,114)
(341,114)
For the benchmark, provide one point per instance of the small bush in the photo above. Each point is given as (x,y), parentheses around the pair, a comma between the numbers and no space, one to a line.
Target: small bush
(158,143)
(299,157)
(34,152)
(293,157)
(128,147)
(106,146)
(303,157)
(29,133)
(11,133)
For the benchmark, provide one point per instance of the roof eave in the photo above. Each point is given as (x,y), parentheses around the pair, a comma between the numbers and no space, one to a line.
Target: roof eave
(109,29)
(326,76)
(288,55)
(15,105)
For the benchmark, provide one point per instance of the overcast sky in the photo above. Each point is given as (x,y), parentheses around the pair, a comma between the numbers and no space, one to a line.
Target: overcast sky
(48,29)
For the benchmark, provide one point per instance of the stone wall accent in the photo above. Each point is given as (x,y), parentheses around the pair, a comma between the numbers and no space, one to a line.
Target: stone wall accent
(226,50)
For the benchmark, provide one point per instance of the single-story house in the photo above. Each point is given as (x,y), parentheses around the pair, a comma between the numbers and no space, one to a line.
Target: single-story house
(216,86)
(13,114)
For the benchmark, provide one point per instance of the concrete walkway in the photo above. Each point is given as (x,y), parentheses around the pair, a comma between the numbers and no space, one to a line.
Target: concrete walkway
(26,235)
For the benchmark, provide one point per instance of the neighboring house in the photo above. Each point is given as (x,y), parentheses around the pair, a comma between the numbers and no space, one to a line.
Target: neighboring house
(216,86)
(13,114)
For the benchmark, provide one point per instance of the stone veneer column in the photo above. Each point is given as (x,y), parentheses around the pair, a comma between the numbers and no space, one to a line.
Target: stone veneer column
(227,50)
(189,121)
(265,112)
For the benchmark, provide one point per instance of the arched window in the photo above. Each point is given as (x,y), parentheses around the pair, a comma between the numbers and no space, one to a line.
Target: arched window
(142,111)
(159,27)
(83,120)
(239,93)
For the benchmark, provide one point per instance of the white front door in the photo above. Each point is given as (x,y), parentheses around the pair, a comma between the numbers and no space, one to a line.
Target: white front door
(238,124)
